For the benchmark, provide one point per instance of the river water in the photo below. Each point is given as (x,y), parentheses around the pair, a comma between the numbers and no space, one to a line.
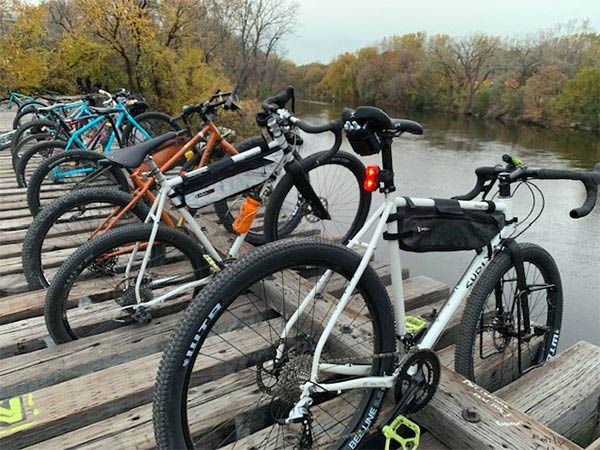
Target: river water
(440,163)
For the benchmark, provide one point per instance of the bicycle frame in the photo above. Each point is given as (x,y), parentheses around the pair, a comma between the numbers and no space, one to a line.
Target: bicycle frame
(17,98)
(378,222)
(191,225)
(99,123)
(144,184)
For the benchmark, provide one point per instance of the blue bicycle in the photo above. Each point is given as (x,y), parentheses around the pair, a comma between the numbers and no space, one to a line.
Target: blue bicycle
(74,163)
(56,122)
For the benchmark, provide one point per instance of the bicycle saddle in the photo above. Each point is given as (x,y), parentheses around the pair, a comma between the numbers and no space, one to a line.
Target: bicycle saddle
(105,111)
(380,120)
(133,156)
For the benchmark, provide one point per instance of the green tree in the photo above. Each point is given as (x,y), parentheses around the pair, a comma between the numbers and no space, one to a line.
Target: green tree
(580,98)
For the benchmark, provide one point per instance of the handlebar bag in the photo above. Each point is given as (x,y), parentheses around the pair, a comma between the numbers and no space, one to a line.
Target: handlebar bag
(444,228)
(364,141)
(226,178)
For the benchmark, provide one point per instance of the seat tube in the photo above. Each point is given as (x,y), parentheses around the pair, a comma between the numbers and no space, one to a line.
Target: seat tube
(396,269)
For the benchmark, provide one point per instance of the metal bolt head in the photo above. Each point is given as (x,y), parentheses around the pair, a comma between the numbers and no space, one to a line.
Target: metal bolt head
(470,414)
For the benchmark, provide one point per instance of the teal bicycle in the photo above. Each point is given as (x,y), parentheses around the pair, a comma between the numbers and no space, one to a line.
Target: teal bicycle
(51,168)
(49,123)
(14,98)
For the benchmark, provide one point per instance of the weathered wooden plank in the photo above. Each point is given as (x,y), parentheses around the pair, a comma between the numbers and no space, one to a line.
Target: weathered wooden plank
(501,425)
(32,371)
(421,290)
(84,400)
(564,394)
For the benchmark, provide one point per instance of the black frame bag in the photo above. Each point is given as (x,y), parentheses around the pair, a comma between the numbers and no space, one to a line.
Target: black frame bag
(444,227)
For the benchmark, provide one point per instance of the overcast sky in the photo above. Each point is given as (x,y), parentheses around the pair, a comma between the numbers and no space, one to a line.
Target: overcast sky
(330,27)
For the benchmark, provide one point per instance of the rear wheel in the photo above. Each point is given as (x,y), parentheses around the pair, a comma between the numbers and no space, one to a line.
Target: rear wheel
(339,185)
(488,348)
(93,292)
(67,223)
(71,170)
(220,380)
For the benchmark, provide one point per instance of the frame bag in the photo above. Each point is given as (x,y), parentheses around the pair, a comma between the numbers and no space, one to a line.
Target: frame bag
(444,227)
(226,178)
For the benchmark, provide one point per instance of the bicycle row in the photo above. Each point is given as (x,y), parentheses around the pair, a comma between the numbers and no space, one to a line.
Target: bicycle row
(325,365)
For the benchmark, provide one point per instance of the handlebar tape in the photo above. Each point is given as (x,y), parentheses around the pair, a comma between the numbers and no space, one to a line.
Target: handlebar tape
(280,100)
(483,174)
(590,181)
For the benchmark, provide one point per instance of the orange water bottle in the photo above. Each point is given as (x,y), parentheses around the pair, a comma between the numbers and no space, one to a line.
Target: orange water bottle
(246,215)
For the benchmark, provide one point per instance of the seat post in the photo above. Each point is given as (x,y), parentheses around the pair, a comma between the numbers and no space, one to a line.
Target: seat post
(388,165)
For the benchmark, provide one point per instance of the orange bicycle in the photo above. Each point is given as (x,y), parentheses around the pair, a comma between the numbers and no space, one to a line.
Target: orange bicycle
(69,221)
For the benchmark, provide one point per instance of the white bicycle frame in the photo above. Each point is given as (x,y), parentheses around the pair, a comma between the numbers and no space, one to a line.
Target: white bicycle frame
(378,222)
(211,255)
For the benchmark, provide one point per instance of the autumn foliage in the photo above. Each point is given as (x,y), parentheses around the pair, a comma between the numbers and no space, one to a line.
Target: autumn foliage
(175,52)
(552,78)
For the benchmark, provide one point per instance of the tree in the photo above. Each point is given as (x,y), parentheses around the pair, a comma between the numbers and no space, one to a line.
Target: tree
(24,53)
(580,98)
(340,79)
(541,91)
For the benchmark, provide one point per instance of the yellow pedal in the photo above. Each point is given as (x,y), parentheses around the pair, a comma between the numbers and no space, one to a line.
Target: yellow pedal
(405,426)
(414,324)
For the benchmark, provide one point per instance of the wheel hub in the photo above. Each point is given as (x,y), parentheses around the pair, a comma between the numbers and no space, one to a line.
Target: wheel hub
(124,293)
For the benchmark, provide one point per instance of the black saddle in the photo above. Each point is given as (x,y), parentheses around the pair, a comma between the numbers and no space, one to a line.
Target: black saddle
(105,111)
(377,118)
(133,156)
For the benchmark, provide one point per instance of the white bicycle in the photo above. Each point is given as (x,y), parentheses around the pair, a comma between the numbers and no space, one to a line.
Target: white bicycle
(299,340)
(118,277)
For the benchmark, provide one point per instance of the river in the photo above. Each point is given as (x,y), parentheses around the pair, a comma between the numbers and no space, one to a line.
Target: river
(440,163)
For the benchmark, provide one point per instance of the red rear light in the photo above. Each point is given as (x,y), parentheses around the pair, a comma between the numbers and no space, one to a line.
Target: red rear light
(371,178)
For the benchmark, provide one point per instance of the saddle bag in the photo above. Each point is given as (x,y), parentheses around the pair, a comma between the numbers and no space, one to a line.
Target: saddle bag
(226,178)
(444,227)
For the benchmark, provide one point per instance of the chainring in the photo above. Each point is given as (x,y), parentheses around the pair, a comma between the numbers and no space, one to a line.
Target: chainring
(423,367)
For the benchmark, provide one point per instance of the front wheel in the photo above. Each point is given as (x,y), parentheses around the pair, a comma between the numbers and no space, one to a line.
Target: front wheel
(489,346)
(220,379)
(93,289)
(339,185)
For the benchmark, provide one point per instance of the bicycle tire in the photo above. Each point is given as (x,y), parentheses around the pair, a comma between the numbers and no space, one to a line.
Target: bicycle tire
(28,142)
(275,227)
(168,124)
(466,360)
(33,156)
(29,112)
(217,301)
(223,208)
(55,308)
(34,185)
(42,126)
(35,103)
(45,222)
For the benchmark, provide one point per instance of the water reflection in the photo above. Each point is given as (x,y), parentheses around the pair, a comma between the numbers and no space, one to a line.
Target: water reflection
(461,133)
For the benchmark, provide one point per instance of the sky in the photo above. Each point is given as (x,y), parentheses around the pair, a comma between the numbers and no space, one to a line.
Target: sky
(330,27)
